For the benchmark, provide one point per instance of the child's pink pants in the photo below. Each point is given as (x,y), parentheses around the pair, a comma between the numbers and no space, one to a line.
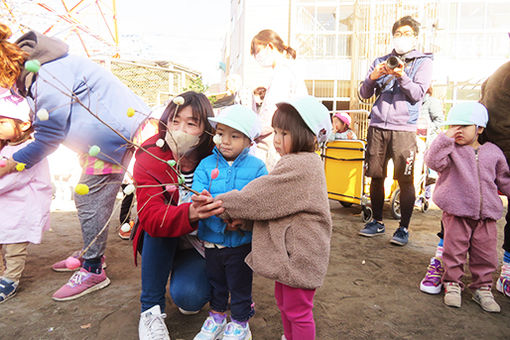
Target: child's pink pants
(295,306)
(476,237)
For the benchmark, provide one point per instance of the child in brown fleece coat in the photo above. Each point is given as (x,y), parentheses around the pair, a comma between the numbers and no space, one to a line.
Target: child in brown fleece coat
(290,210)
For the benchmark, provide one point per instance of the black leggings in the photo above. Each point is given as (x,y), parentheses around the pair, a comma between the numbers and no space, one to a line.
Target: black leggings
(407,198)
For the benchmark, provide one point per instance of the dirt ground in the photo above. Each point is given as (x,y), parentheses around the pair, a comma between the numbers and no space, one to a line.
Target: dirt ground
(371,291)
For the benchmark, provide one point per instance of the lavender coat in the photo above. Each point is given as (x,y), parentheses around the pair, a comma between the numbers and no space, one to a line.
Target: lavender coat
(25,199)
(468,186)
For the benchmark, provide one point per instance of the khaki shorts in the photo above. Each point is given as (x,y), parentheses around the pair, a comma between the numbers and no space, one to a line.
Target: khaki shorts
(383,145)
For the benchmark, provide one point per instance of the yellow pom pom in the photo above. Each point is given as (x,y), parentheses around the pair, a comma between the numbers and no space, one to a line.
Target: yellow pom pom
(130,112)
(81,189)
(20,166)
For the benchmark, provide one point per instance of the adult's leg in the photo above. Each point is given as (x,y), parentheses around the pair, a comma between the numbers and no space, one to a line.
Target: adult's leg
(407,198)
(158,256)
(94,210)
(377,197)
(377,160)
(189,287)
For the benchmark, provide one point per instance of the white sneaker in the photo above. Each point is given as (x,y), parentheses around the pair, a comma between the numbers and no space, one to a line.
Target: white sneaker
(235,331)
(211,330)
(152,325)
(483,296)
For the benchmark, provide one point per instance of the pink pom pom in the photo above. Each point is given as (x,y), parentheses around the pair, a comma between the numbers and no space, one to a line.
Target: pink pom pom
(3,163)
(214,173)
(72,263)
(170,188)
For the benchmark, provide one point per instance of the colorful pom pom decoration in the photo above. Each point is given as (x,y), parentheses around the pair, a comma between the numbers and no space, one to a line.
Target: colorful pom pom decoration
(130,112)
(171,162)
(94,150)
(33,65)
(214,173)
(20,166)
(181,180)
(81,189)
(170,188)
(129,189)
(160,143)
(178,100)
(3,163)
(72,263)
(217,139)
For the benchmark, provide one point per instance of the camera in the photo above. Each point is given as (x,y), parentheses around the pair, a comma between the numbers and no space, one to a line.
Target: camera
(393,62)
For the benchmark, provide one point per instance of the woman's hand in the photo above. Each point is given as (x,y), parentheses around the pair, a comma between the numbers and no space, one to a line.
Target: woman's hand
(204,206)
(9,166)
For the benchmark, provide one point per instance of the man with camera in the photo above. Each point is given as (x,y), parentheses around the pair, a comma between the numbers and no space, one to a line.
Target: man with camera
(399,80)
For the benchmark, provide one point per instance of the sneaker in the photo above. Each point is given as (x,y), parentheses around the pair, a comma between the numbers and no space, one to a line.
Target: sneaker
(188,312)
(125,230)
(503,282)
(152,325)
(484,298)
(431,283)
(452,295)
(60,266)
(373,228)
(7,289)
(211,330)
(235,331)
(400,237)
(82,282)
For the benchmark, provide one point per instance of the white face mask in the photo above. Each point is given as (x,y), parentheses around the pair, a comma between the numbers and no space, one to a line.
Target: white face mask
(265,57)
(403,45)
(181,142)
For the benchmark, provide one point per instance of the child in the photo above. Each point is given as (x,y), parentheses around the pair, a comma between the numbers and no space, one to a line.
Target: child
(341,130)
(225,249)
(258,98)
(470,175)
(25,195)
(290,210)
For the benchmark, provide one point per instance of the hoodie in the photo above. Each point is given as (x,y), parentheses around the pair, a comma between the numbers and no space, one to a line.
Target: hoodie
(77,93)
(397,106)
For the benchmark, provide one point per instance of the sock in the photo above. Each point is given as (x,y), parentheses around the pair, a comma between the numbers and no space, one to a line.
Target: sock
(439,252)
(93,266)
(506,257)
(242,323)
(218,317)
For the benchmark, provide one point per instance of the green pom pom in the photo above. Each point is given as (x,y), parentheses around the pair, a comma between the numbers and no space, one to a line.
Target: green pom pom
(171,162)
(32,65)
(94,150)
(181,180)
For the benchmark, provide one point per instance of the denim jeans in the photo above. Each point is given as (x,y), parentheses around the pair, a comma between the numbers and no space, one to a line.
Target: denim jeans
(189,287)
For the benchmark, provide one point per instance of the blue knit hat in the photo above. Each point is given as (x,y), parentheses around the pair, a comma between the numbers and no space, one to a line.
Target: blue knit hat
(315,115)
(468,113)
(239,117)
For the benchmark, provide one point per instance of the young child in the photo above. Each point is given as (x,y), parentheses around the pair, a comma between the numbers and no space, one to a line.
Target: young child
(25,195)
(341,130)
(290,210)
(229,167)
(470,176)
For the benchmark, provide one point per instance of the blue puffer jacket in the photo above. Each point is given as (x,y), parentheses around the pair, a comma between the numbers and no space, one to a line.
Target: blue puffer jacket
(70,122)
(244,169)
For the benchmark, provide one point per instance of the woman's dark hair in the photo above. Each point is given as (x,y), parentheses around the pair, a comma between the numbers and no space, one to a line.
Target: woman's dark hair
(406,21)
(201,109)
(287,118)
(266,37)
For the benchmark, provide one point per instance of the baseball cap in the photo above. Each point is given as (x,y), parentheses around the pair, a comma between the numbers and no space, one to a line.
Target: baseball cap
(239,117)
(467,113)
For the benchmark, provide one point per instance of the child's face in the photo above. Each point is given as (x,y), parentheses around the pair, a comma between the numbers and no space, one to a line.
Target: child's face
(338,125)
(233,142)
(8,129)
(465,134)
(282,141)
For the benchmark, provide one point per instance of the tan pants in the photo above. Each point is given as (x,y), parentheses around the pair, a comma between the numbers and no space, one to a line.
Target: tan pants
(15,255)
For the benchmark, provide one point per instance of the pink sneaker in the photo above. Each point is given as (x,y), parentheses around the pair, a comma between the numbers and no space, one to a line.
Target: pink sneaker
(60,266)
(82,282)
(503,282)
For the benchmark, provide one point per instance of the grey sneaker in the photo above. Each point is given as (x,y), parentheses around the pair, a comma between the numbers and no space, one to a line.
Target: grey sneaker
(372,229)
(400,237)
(485,299)
(152,325)
(452,295)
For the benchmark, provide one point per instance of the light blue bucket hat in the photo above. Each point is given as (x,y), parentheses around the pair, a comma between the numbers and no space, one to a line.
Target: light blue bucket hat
(239,117)
(468,113)
(314,113)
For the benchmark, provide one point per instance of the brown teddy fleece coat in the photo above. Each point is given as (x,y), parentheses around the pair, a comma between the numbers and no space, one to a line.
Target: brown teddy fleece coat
(292,222)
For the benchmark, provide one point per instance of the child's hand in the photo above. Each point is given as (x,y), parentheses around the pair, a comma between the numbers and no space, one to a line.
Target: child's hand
(234,225)
(453,132)
(204,206)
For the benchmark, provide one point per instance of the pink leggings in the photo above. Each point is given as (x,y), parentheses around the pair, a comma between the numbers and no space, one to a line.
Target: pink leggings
(295,306)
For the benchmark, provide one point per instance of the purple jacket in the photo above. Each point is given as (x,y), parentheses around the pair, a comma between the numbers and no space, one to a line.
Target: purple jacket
(398,105)
(469,179)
